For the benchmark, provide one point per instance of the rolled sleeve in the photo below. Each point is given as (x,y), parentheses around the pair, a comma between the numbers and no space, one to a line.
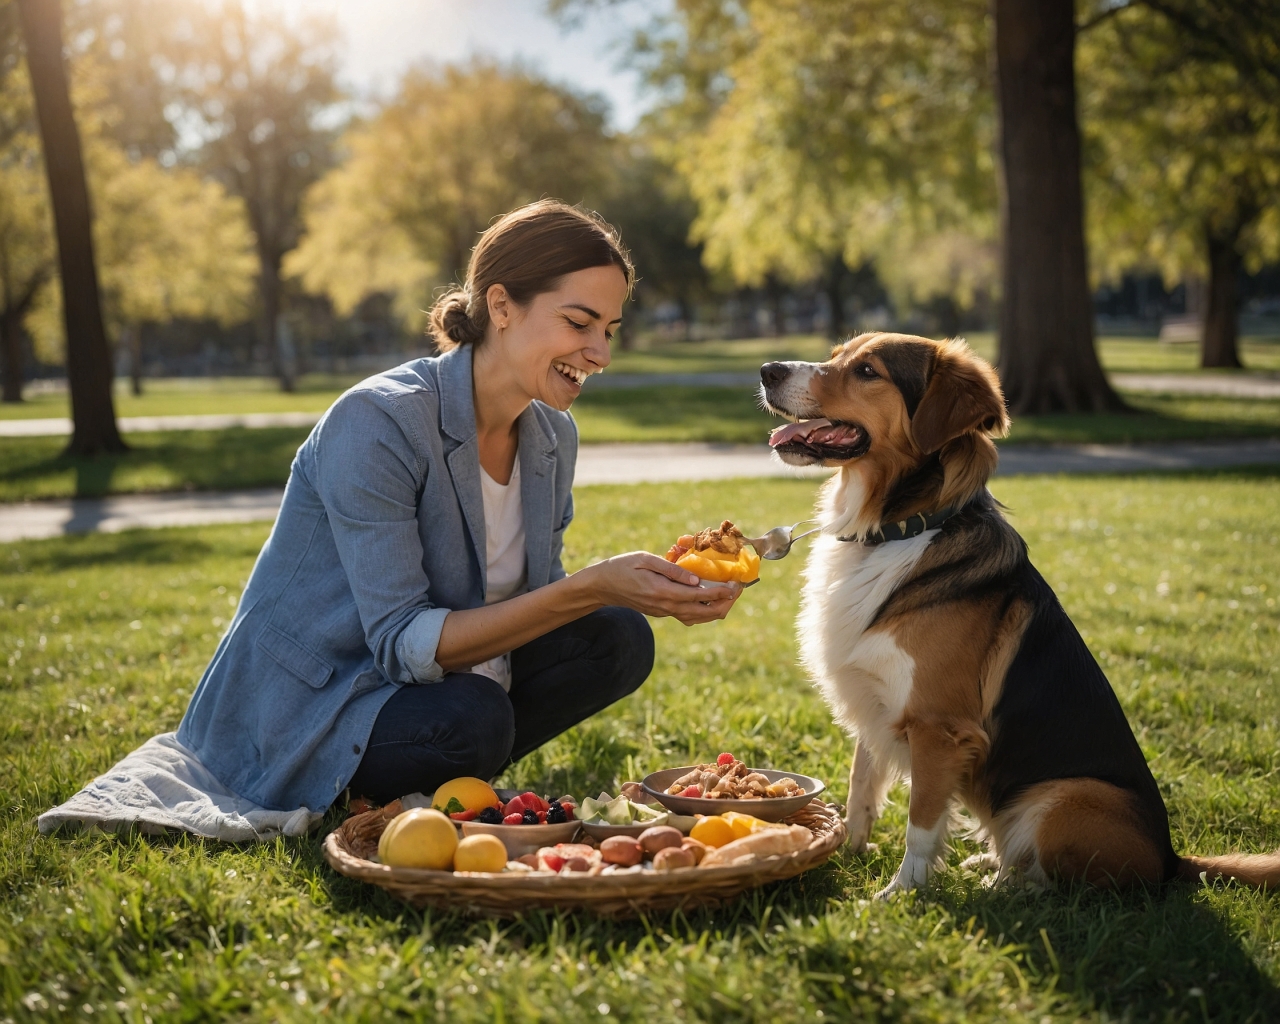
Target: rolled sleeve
(417,645)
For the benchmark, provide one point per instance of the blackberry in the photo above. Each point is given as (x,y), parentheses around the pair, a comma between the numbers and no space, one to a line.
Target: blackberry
(556,814)
(530,817)
(490,816)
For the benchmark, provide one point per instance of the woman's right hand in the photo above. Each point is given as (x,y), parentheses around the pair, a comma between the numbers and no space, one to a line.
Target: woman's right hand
(652,585)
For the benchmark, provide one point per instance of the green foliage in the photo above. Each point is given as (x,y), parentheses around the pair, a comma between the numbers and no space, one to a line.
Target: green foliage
(1181,144)
(857,129)
(452,150)
(1166,578)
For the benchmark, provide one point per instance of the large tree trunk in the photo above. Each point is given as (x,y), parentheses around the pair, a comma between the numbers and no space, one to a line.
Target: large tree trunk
(88,354)
(1047,358)
(1221,325)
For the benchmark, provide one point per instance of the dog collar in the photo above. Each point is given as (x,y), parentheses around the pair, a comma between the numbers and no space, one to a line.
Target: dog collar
(907,528)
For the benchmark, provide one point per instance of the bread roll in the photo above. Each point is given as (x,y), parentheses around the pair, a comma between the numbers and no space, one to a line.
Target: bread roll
(767,843)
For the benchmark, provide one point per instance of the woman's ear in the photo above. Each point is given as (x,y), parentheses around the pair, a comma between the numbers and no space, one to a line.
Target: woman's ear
(963,394)
(499,302)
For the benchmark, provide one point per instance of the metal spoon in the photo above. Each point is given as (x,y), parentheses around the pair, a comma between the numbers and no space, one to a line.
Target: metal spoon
(777,542)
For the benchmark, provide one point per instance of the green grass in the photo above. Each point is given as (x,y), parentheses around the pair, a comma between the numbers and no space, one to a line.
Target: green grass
(1171,580)
(34,467)
(316,392)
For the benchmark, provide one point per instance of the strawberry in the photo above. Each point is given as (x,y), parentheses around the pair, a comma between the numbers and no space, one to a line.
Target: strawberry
(691,791)
(513,819)
(725,759)
(465,815)
(542,817)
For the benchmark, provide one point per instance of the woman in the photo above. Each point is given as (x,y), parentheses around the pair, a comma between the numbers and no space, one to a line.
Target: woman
(408,620)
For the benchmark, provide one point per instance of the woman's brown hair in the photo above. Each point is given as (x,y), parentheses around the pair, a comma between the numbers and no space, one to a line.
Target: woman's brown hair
(528,251)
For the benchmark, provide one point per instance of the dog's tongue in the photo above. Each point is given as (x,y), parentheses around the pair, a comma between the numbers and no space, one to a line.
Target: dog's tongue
(790,431)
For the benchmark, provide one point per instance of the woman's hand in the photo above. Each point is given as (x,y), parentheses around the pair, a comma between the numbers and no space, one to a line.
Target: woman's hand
(654,586)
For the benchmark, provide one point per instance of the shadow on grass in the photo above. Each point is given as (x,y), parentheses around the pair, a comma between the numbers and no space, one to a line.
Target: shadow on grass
(147,547)
(36,467)
(1156,954)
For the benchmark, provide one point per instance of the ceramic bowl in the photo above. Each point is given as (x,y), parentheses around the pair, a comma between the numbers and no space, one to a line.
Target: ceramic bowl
(766,809)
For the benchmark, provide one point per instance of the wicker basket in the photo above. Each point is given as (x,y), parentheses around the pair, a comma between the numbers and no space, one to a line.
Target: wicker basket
(505,894)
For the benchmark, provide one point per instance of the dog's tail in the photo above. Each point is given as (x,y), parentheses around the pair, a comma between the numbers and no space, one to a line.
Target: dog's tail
(1260,869)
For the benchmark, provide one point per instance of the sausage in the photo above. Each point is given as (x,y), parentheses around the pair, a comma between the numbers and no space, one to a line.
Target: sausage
(659,837)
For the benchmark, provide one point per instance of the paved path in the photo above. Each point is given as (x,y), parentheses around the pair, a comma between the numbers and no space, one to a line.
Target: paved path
(612,464)
(1225,385)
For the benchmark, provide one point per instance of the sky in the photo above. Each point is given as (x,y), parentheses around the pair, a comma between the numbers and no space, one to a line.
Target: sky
(384,37)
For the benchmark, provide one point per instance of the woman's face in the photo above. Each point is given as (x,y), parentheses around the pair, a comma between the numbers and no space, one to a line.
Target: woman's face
(562,337)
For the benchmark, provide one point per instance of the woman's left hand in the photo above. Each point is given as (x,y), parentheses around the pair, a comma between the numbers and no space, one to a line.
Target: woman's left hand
(654,586)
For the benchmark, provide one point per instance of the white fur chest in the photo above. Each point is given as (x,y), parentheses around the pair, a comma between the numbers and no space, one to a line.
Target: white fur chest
(865,677)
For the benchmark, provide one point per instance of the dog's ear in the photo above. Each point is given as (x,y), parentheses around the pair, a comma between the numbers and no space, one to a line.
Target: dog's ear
(963,395)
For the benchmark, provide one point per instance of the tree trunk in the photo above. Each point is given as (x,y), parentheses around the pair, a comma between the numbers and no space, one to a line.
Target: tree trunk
(774,290)
(833,285)
(89,371)
(1221,325)
(11,352)
(131,339)
(1047,358)
(269,278)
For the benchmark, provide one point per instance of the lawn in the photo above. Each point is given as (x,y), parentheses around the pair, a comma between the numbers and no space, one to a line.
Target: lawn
(1172,581)
(33,467)
(316,392)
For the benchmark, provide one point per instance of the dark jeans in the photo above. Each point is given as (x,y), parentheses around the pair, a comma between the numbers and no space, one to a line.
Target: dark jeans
(466,724)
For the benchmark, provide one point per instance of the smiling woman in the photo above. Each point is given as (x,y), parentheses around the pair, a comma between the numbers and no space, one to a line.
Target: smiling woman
(409,620)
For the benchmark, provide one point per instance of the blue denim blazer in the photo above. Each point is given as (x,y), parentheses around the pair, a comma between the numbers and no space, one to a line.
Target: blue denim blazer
(380,535)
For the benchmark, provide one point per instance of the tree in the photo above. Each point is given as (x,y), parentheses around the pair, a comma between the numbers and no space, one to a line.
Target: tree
(27,252)
(88,357)
(1184,137)
(1047,361)
(260,89)
(170,244)
(818,135)
(650,205)
(454,149)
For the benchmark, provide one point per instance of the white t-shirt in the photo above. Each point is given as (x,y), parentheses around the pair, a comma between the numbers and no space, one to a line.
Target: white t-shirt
(506,563)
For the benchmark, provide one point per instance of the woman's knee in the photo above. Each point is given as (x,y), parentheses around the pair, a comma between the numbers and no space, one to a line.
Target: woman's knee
(482,726)
(625,638)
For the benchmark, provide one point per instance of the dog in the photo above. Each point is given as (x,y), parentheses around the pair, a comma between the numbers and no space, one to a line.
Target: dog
(937,644)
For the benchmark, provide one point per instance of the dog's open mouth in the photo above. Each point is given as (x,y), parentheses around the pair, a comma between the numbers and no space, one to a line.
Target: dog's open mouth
(820,440)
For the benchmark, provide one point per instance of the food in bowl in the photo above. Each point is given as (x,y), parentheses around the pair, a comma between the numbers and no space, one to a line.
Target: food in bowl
(730,779)
(619,811)
(720,555)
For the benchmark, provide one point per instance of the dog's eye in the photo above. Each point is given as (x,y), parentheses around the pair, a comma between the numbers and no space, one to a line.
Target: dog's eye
(866,371)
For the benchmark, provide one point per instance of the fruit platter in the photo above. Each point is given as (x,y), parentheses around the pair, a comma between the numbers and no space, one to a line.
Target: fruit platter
(488,852)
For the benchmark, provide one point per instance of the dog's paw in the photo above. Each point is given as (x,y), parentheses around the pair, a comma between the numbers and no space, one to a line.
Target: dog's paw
(981,862)
(889,891)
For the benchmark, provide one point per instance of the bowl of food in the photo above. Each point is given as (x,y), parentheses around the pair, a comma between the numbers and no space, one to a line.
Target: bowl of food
(525,822)
(729,785)
(605,816)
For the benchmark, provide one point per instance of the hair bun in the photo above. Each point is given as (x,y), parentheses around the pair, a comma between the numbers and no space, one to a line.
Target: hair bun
(451,324)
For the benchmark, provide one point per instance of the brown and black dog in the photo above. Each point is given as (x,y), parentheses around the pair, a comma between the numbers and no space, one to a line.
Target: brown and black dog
(937,643)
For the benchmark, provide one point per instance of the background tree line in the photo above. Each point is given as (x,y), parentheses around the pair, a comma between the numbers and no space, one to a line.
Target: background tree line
(954,151)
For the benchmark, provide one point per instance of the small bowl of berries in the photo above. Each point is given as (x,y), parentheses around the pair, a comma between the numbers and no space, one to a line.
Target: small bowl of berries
(526,822)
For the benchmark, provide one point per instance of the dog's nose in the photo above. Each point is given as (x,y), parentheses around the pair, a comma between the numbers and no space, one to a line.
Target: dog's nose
(772,374)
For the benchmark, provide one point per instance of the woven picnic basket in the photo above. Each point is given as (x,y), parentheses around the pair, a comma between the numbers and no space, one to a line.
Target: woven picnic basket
(504,894)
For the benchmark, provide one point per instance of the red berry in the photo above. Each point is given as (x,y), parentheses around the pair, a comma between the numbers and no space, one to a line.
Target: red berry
(514,818)
(724,759)
(692,791)
(542,817)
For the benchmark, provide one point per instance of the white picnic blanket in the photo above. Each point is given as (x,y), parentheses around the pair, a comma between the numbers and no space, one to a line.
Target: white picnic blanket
(163,785)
